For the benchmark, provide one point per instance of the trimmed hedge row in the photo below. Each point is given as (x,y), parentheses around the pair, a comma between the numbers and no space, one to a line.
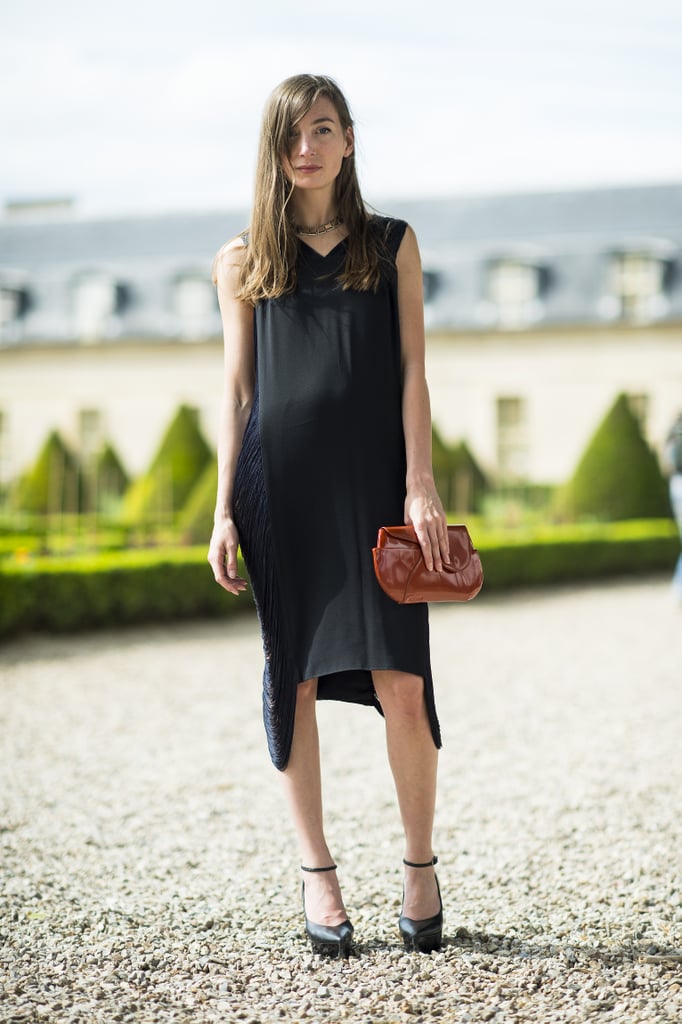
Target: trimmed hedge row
(579,553)
(112,589)
(135,586)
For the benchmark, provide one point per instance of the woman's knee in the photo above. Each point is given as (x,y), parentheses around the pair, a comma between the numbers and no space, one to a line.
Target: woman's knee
(306,692)
(400,693)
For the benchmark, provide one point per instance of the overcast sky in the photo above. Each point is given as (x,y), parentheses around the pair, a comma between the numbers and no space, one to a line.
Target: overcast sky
(134,106)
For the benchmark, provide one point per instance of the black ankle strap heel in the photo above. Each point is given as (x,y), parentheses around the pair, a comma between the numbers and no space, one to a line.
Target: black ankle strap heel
(332,940)
(426,935)
(427,864)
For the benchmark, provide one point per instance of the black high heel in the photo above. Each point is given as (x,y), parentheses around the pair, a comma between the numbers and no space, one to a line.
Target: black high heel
(325,938)
(423,936)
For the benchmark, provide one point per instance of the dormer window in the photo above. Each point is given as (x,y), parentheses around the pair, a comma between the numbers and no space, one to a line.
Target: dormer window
(513,288)
(9,305)
(194,299)
(431,282)
(13,305)
(95,302)
(637,285)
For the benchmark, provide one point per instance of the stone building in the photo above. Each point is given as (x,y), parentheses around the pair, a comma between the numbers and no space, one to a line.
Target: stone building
(540,308)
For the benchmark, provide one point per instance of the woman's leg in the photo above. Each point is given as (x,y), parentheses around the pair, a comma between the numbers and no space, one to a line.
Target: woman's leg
(303,789)
(413,758)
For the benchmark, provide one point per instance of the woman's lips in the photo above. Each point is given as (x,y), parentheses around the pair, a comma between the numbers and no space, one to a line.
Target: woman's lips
(308,169)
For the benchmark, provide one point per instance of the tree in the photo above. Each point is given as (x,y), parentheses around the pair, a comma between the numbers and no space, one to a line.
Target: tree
(196,518)
(181,458)
(107,480)
(618,475)
(460,481)
(53,485)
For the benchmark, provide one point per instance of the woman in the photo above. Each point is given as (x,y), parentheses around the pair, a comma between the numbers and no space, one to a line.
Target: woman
(326,435)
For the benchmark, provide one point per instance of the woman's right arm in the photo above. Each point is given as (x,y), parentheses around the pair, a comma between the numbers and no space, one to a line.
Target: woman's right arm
(238,389)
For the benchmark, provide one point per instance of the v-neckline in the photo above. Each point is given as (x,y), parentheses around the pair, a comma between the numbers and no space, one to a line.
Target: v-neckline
(319,254)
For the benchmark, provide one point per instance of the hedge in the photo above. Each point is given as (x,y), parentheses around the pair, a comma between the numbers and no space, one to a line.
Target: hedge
(54,484)
(112,589)
(177,465)
(579,552)
(135,586)
(618,476)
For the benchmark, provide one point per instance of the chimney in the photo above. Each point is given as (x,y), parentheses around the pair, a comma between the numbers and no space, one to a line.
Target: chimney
(40,210)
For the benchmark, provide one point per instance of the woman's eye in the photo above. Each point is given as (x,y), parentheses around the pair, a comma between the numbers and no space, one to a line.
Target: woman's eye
(324,130)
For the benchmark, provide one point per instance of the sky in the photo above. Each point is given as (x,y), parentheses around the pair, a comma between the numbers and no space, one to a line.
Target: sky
(142,107)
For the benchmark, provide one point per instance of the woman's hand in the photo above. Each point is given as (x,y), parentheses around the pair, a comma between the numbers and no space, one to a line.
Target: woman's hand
(222,556)
(424,511)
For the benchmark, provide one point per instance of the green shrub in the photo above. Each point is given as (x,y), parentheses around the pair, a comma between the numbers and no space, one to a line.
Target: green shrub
(53,485)
(196,519)
(20,545)
(460,481)
(469,482)
(137,586)
(578,553)
(618,476)
(107,481)
(112,589)
(179,462)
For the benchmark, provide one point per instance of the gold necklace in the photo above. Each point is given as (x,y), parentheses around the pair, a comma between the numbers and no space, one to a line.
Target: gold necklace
(320,229)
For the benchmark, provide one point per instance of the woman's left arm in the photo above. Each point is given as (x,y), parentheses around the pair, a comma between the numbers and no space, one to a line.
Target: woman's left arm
(423,507)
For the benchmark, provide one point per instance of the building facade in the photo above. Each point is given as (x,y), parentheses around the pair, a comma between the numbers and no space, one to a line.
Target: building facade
(540,309)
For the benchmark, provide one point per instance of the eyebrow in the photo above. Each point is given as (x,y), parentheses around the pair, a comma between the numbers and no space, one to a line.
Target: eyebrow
(318,120)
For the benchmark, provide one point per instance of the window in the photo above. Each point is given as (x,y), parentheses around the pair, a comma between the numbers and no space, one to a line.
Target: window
(95,300)
(513,288)
(636,282)
(196,306)
(431,283)
(639,404)
(13,305)
(512,438)
(90,434)
(9,305)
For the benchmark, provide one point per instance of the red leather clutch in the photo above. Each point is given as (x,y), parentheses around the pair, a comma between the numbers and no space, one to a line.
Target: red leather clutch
(402,574)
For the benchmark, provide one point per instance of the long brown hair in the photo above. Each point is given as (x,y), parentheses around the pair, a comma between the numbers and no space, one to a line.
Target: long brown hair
(268,269)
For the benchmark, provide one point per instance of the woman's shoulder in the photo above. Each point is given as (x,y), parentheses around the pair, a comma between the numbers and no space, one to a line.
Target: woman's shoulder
(390,229)
(387,225)
(229,255)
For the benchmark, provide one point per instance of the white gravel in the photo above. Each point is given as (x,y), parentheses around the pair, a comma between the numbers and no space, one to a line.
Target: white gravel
(149,871)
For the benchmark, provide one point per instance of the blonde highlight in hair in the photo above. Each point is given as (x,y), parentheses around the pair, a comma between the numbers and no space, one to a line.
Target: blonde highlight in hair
(268,269)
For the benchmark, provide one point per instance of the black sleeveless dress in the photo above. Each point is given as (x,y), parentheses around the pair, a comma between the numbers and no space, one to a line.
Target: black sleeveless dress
(321,468)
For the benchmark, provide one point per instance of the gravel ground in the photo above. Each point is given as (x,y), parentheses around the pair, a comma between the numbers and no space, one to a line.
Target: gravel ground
(149,871)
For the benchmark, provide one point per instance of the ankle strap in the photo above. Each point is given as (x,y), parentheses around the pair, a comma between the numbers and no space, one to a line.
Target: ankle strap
(429,863)
(332,867)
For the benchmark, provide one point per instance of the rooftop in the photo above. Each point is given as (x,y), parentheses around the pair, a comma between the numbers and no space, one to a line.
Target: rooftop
(560,246)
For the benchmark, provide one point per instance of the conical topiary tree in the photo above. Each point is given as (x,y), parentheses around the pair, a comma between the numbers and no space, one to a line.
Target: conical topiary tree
(618,476)
(460,481)
(179,462)
(469,482)
(196,518)
(107,480)
(442,466)
(53,484)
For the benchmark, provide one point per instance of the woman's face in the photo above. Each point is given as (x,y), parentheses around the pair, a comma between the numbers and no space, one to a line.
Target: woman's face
(317,147)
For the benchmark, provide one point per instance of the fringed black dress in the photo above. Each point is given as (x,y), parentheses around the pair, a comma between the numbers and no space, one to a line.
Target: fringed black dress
(322,467)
